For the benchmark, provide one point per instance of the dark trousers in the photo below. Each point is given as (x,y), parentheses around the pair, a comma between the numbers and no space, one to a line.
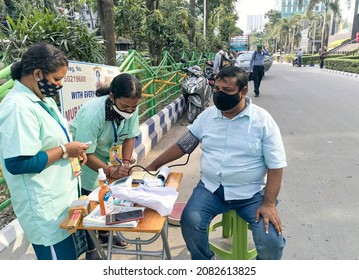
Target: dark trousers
(321,65)
(90,243)
(258,73)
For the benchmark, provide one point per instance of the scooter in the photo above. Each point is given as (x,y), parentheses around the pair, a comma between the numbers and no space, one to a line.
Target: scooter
(209,74)
(196,91)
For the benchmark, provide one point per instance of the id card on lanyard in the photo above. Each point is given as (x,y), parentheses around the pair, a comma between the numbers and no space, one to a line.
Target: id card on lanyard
(75,164)
(115,150)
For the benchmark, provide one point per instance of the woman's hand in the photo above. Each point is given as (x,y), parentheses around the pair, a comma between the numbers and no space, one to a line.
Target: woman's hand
(77,150)
(117,172)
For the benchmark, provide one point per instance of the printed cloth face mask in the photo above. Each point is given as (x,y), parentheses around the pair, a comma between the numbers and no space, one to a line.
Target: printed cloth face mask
(47,88)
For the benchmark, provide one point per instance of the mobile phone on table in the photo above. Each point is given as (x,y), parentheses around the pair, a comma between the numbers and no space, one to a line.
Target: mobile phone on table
(124,217)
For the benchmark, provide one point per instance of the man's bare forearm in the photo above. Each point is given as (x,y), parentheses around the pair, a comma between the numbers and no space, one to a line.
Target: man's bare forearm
(171,154)
(274,180)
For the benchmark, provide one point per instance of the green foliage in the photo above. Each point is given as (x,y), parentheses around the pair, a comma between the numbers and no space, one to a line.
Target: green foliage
(337,43)
(71,36)
(349,64)
(130,21)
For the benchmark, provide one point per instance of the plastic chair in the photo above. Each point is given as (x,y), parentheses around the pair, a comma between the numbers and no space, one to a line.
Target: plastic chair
(237,228)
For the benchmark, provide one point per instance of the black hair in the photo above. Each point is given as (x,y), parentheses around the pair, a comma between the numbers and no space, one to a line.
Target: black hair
(123,85)
(234,71)
(219,47)
(43,56)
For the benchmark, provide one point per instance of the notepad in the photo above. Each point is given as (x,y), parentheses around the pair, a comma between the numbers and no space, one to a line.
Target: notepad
(142,175)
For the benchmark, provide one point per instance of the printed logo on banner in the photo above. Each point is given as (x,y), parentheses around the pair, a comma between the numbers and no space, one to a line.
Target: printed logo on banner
(80,85)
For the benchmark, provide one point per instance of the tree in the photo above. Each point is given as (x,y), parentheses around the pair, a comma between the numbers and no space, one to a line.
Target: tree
(271,29)
(192,9)
(329,6)
(154,20)
(130,21)
(105,9)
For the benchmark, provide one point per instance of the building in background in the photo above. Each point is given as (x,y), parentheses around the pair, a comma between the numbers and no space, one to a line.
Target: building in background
(349,24)
(290,8)
(255,22)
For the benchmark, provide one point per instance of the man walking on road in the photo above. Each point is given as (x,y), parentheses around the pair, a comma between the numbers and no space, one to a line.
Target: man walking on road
(241,168)
(299,57)
(257,68)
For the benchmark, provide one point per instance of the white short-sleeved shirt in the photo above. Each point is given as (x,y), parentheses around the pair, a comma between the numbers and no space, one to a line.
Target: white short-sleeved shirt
(40,200)
(236,153)
(90,125)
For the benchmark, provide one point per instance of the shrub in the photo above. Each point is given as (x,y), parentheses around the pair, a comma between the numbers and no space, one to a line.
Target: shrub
(69,35)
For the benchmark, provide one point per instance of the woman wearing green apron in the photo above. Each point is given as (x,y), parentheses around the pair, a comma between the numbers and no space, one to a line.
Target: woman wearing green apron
(38,159)
(111,122)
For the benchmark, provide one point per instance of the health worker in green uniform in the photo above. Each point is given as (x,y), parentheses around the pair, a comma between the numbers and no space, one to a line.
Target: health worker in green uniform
(111,122)
(38,159)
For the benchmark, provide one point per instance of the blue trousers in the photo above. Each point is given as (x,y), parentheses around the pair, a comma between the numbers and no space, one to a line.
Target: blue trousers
(203,206)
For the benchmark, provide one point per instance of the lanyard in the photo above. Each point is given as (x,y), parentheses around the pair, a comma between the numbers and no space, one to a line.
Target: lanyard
(114,132)
(52,114)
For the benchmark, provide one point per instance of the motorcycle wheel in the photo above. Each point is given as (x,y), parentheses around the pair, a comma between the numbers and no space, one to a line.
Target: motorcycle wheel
(192,112)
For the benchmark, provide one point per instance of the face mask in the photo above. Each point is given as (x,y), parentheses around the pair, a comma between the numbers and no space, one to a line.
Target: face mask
(122,113)
(225,102)
(47,88)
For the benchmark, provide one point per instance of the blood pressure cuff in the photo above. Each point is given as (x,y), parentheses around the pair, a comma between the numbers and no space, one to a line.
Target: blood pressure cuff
(187,143)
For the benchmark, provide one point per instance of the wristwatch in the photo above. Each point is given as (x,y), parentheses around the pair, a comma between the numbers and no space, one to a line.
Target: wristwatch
(64,152)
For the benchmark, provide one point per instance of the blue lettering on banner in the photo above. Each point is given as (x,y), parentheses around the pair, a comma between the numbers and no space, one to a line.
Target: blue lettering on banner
(77,94)
(89,93)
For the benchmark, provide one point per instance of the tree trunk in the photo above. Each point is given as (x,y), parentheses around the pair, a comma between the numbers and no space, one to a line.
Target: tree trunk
(192,32)
(105,9)
(323,31)
(155,45)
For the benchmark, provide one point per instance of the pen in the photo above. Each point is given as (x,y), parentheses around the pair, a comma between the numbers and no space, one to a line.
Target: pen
(119,161)
(88,143)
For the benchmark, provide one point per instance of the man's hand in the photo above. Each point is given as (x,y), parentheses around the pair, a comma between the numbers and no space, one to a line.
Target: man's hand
(270,215)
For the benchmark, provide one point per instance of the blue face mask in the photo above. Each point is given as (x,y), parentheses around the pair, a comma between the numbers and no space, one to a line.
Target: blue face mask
(47,88)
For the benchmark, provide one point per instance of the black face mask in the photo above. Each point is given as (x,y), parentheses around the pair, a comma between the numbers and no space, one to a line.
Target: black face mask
(225,102)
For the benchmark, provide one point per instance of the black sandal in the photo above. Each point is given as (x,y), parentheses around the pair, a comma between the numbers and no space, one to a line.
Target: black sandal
(117,242)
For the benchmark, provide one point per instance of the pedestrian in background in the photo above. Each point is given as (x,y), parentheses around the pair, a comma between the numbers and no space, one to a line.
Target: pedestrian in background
(38,158)
(256,67)
(299,57)
(322,55)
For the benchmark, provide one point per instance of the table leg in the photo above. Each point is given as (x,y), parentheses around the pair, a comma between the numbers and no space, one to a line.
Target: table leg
(109,245)
(97,244)
(164,234)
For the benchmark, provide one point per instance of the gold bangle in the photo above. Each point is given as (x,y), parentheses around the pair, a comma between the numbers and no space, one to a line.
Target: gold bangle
(113,172)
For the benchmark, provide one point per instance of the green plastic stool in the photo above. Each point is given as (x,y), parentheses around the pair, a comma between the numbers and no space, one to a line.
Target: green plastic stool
(235,226)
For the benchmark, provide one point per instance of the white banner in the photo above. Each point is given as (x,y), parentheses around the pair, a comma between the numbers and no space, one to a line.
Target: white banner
(80,85)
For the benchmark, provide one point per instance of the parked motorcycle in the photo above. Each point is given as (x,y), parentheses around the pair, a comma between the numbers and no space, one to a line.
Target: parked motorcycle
(196,91)
(209,74)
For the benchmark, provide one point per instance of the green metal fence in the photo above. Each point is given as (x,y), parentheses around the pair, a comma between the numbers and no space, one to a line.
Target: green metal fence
(160,84)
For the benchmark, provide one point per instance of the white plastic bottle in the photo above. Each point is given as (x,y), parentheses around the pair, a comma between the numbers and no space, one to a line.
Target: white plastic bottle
(105,197)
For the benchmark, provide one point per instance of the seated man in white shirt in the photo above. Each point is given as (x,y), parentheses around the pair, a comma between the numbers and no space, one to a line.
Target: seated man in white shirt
(241,168)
